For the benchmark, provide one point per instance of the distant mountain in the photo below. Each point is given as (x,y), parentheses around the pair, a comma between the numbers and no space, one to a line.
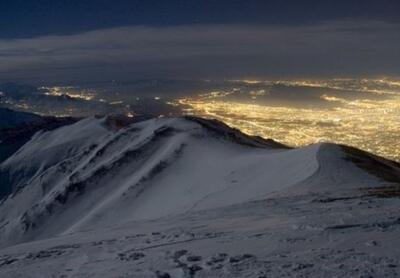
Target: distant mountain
(10,118)
(189,197)
(16,128)
(17,91)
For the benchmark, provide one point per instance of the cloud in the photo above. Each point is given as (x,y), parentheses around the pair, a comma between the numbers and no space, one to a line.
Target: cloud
(206,51)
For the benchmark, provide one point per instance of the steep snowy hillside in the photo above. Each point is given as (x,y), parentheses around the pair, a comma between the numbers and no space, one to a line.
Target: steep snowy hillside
(185,197)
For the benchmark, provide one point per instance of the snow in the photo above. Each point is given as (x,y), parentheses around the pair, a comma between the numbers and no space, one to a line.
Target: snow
(94,200)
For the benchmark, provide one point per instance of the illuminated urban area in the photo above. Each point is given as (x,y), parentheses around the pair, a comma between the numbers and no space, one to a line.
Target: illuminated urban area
(364,113)
(370,121)
(69,91)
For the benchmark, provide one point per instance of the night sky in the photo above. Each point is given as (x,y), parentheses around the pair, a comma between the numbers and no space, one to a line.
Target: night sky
(94,40)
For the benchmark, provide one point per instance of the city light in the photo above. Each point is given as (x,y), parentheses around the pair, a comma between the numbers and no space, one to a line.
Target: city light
(69,91)
(369,124)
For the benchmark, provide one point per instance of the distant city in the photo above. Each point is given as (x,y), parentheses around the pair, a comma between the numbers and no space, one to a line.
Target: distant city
(363,113)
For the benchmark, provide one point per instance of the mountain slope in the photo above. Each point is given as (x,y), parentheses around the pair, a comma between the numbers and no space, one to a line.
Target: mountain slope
(106,177)
(94,174)
(16,128)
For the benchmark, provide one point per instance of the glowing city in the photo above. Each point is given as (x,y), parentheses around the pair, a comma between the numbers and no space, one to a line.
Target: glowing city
(367,122)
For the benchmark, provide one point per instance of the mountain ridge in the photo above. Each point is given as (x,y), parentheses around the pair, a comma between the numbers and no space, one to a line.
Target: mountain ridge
(189,197)
(72,162)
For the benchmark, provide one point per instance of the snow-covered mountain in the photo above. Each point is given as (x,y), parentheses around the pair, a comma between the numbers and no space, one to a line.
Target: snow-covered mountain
(189,197)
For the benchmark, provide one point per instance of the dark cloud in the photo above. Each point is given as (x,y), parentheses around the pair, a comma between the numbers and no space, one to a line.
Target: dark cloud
(338,48)
(27,18)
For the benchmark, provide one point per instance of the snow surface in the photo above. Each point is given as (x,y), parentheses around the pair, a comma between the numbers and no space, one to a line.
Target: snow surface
(94,200)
